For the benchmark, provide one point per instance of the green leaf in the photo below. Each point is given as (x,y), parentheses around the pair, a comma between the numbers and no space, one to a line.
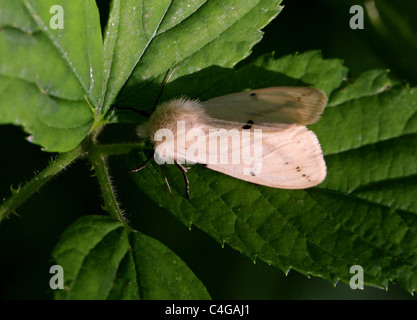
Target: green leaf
(295,70)
(55,81)
(104,260)
(145,40)
(369,83)
(50,79)
(364,213)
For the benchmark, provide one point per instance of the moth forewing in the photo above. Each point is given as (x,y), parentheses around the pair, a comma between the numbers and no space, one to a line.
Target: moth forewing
(291,159)
(269,106)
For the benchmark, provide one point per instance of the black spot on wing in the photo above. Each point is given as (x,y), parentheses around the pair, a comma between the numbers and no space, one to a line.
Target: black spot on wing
(248,124)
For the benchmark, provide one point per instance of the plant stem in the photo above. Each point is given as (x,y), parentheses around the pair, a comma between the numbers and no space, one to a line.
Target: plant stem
(24,192)
(118,149)
(109,196)
(97,155)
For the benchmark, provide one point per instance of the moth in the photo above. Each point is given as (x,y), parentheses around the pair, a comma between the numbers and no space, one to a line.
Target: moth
(290,156)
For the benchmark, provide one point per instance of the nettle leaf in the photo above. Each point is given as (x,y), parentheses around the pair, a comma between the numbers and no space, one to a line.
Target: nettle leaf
(103,259)
(364,213)
(54,82)
(50,79)
(145,40)
(294,70)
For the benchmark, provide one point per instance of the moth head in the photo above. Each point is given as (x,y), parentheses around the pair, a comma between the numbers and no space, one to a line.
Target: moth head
(168,113)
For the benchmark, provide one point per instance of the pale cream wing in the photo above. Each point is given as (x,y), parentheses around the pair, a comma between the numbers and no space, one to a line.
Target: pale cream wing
(291,159)
(301,105)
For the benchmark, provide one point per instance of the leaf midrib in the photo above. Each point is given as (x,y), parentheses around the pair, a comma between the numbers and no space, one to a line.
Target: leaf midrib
(106,106)
(60,50)
(184,58)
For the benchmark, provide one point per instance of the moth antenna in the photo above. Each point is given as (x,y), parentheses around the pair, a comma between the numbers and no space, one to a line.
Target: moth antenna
(144,164)
(142,113)
(168,76)
(187,183)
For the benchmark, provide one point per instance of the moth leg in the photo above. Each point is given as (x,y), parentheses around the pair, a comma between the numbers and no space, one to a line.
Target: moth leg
(166,180)
(144,165)
(187,183)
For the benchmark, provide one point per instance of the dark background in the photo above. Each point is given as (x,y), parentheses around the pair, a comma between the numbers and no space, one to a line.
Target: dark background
(26,240)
